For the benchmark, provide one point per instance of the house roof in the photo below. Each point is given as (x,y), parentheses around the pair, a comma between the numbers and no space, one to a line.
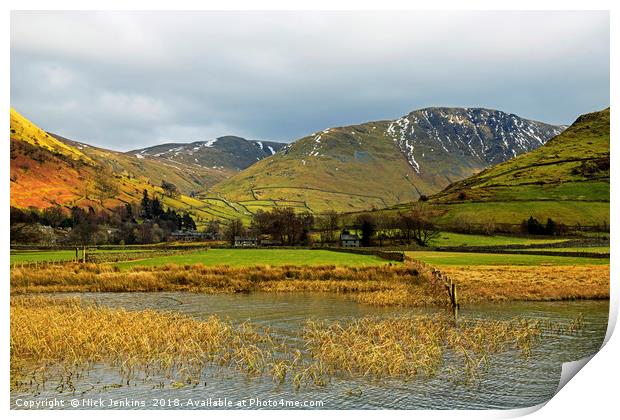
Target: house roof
(348,237)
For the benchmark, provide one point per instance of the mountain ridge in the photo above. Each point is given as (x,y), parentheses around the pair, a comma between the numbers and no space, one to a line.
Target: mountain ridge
(415,155)
(226,152)
(567,180)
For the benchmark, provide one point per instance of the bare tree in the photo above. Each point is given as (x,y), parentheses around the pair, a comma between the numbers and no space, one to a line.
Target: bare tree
(423,229)
(328,225)
(234,228)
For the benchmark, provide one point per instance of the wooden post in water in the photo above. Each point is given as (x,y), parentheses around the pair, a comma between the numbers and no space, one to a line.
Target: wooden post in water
(455,302)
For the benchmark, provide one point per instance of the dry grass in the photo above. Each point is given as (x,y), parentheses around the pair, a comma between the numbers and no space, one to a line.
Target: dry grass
(57,341)
(410,284)
(60,338)
(540,283)
(383,285)
(407,347)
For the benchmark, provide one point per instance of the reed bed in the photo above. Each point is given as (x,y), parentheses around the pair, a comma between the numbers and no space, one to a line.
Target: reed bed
(59,340)
(539,283)
(400,284)
(409,284)
(407,347)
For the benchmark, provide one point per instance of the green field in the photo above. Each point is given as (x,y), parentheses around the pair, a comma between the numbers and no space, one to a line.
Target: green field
(470,258)
(514,212)
(593,249)
(461,239)
(40,256)
(21,256)
(251,257)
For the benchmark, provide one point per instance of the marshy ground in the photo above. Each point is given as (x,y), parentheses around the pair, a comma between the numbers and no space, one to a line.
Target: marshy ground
(56,341)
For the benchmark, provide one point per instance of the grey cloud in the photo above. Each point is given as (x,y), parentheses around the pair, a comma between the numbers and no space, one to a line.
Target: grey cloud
(126,80)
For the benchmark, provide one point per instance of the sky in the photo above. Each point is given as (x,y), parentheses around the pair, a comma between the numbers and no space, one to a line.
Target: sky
(127,80)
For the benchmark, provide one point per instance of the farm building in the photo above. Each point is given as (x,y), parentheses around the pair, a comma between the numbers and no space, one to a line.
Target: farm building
(245,241)
(349,240)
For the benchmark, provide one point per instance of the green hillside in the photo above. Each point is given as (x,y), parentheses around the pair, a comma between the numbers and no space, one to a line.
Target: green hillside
(567,179)
(340,176)
(379,164)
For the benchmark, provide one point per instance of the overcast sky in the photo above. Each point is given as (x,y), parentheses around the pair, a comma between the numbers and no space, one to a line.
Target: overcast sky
(125,80)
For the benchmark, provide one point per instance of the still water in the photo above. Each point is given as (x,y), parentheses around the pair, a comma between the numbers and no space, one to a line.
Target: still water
(510,381)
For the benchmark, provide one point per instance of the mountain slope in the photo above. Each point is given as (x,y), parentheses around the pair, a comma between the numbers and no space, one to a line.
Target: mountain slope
(381,163)
(229,152)
(567,179)
(48,170)
(188,177)
(27,132)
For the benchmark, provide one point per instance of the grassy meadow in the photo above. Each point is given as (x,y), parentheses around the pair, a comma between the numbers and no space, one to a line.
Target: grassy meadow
(591,249)
(253,257)
(437,258)
(462,239)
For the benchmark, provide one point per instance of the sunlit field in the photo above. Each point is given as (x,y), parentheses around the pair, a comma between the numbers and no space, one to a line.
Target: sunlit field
(252,257)
(471,258)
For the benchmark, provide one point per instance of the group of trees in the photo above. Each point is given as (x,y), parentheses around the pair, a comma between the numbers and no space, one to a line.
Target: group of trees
(533,227)
(282,225)
(286,227)
(146,222)
(415,226)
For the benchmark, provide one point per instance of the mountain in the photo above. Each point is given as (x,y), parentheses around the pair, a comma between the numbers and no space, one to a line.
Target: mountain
(381,163)
(188,177)
(49,170)
(228,153)
(567,179)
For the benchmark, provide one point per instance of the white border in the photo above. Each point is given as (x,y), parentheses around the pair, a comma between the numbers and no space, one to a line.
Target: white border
(592,394)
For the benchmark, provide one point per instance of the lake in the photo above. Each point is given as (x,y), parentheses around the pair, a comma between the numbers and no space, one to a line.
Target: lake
(509,382)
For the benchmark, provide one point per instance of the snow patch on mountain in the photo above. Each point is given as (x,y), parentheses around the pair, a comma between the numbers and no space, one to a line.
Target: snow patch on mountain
(489,136)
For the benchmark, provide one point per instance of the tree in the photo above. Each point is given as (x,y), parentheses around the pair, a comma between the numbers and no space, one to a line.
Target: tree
(328,225)
(417,225)
(306,222)
(169,188)
(550,227)
(234,228)
(53,216)
(85,225)
(188,222)
(261,223)
(214,230)
(157,210)
(533,226)
(368,226)
(145,205)
(423,229)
